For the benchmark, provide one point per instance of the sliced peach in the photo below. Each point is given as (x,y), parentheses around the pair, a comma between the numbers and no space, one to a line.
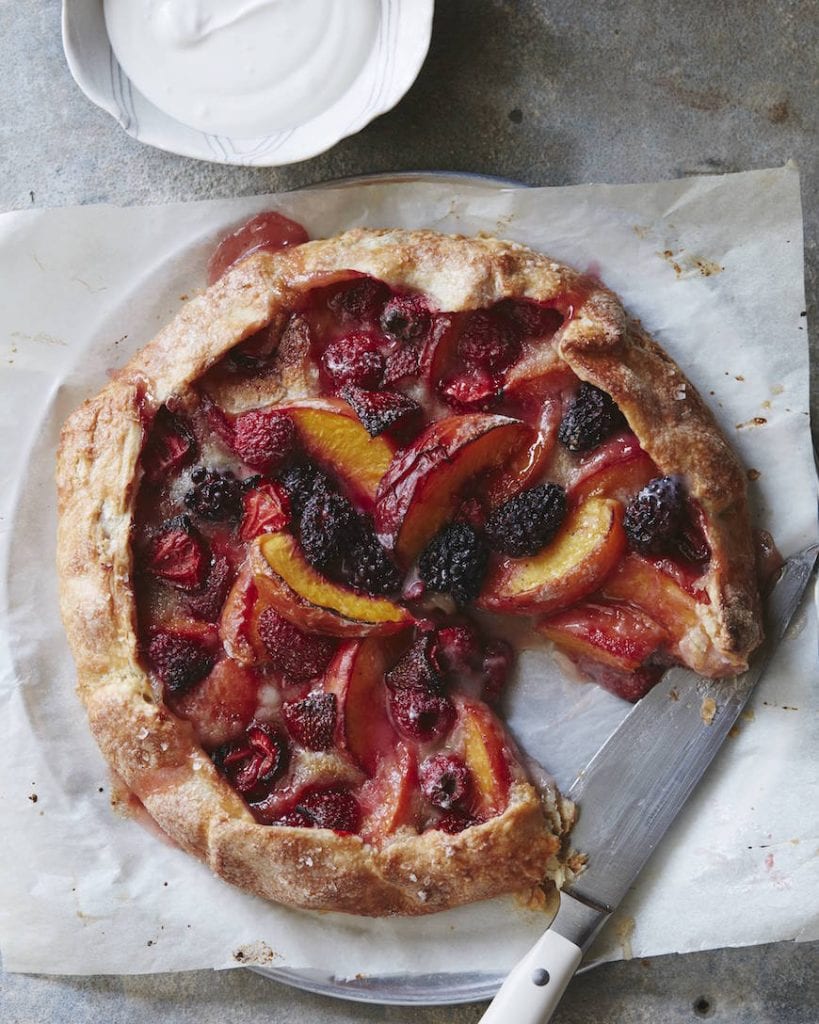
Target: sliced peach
(332,434)
(586,549)
(288,583)
(237,621)
(356,677)
(389,799)
(485,755)
(540,371)
(222,704)
(646,585)
(615,634)
(617,469)
(425,482)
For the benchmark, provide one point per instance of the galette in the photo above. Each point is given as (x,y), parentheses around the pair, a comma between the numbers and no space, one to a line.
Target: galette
(299,528)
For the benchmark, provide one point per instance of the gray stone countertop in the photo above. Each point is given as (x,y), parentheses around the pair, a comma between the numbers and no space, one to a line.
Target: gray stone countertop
(546,93)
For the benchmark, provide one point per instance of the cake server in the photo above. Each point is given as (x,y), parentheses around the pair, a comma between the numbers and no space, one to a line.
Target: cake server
(628,795)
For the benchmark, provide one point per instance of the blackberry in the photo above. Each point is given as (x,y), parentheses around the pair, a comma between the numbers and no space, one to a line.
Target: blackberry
(216,495)
(592,417)
(368,566)
(655,516)
(526,523)
(454,562)
(328,527)
(301,482)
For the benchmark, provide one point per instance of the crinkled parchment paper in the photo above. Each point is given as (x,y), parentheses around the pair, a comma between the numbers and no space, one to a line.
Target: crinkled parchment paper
(713,266)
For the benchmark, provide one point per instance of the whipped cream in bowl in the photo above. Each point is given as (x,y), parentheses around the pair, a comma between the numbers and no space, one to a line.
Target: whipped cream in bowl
(260,82)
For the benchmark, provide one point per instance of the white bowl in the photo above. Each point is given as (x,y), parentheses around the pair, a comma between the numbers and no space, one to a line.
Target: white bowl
(393,64)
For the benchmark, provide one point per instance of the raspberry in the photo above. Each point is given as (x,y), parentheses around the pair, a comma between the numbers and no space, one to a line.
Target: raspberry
(531,318)
(655,516)
(367,565)
(361,301)
(330,808)
(417,669)
(169,447)
(179,661)
(178,554)
(208,602)
(297,655)
(328,526)
(266,510)
(474,389)
(215,495)
(264,440)
(421,715)
(312,721)
(454,562)
(458,651)
(354,359)
(301,482)
(591,418)
(406,318)
(253,763)
(381,410)
(444,780)
(527,522)
(488,343)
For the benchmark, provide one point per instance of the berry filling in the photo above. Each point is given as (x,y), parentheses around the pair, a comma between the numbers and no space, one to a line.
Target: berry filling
(304,591)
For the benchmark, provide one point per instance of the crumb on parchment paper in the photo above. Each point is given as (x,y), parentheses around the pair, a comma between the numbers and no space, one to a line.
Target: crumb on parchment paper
(255,953)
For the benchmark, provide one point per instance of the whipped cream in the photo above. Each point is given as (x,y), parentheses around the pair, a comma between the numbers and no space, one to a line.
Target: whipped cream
(242,68)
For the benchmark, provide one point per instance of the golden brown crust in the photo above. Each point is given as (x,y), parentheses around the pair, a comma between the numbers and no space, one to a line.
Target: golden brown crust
(98,475)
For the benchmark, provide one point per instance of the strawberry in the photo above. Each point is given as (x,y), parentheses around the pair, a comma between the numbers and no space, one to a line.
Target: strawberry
(330,808)
(474,388)
(312,721)
(179,661)
(207,603)
(381,410)
(417,669)
(266,510)
(531,318)
(169,447)
(253,762)
(178,554)
(488,343)
(299,656)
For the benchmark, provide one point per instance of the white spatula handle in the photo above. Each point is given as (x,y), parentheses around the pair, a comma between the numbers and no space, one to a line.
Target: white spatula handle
(533,989)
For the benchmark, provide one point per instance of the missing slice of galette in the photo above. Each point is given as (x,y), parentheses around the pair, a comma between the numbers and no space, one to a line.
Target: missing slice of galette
(293,529)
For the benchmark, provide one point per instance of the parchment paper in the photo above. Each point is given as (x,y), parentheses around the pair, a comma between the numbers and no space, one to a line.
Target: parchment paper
(713,266)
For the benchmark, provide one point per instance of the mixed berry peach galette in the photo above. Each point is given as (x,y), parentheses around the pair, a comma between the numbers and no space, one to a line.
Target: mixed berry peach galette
(296,527)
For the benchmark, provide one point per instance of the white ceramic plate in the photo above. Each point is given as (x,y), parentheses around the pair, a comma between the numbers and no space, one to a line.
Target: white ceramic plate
(401,46)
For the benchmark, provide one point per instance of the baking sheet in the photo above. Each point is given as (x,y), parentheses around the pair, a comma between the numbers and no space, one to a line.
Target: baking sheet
(713,266)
